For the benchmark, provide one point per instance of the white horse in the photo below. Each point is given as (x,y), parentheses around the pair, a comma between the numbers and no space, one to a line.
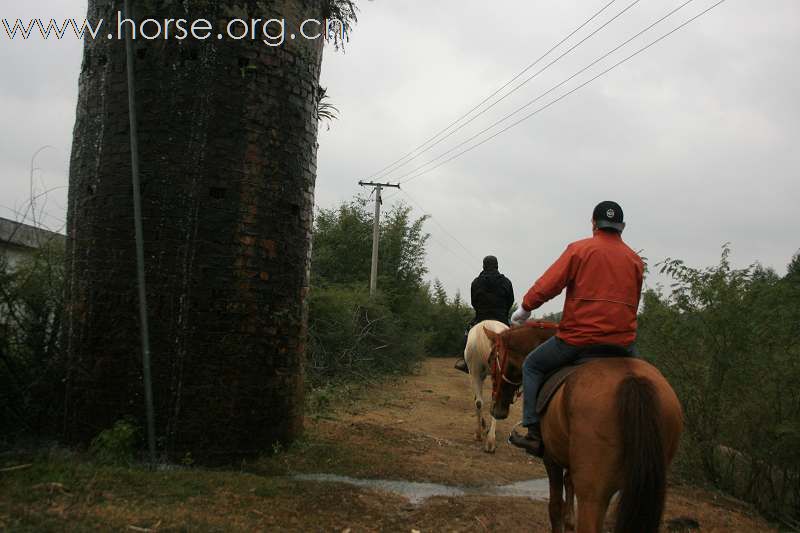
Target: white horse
(476,354)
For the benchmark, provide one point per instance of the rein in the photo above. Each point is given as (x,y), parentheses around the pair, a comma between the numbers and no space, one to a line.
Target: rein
(500,370)
(498,364)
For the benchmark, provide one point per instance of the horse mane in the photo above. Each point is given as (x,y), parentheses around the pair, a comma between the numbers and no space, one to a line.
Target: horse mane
(540,329)
(533,324)
(540,324)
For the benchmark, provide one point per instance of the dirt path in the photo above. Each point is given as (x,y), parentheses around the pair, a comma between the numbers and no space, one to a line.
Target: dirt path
(420,428)
(417,429)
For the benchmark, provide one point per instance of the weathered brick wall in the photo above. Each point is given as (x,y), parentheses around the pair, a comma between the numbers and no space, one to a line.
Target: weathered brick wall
(227,138)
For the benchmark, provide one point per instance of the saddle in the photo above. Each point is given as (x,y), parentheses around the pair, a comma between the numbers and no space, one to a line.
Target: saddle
(554,380)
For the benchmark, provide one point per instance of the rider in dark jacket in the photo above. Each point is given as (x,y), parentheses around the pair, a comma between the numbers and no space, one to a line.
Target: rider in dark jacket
(492,298)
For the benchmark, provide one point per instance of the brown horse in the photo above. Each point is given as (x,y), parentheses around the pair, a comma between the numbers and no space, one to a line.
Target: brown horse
(613,426)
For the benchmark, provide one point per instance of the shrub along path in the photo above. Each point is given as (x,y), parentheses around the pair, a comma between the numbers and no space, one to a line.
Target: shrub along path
(417,428)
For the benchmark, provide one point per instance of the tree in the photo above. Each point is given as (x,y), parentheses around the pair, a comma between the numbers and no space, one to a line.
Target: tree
(342,249)
(342,244)
(439,294)
(228,142)
(402,250)
(726,339)
(793,270)
(351,332)
(449,318)
(31,373)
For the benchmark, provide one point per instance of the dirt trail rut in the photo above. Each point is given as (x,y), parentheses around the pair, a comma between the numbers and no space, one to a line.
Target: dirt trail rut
(421,429)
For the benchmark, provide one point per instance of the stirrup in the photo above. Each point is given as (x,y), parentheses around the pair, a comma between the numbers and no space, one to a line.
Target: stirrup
(537,451)
(508,439)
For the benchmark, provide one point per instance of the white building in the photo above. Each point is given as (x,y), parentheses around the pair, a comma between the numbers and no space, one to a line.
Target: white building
(19,241)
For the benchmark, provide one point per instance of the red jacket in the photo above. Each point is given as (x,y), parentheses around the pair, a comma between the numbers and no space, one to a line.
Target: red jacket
(603,277)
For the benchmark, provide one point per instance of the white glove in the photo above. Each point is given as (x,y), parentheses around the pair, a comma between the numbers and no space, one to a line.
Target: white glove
(520,316)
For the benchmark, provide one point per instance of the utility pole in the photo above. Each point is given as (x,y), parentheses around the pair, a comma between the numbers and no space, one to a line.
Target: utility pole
(373,275)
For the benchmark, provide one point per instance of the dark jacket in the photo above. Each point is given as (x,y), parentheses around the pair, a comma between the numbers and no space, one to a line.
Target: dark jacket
(492,296)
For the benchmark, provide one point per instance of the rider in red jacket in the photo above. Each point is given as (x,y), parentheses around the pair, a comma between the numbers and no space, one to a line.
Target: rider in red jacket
(603,278)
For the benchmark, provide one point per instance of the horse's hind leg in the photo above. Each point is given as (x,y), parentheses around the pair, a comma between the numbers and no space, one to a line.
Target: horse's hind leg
(556,476)
(591,514)
(569,507)
(593,498)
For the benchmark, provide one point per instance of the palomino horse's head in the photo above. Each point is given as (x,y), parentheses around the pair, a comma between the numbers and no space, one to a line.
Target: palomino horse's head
(509,349)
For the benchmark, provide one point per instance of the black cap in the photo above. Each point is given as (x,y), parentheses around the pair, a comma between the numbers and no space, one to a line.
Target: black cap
(608,214)
(490,262)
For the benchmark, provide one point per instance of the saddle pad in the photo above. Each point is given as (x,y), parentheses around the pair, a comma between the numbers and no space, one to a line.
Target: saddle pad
(553,382)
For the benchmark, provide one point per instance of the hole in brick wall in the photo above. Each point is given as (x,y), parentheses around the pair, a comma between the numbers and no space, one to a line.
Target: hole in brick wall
(247,70)
(193,54)
(90,189)
(102,60)
(217,193)
(141,53)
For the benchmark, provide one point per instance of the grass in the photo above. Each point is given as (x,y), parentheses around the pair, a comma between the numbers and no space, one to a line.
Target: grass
(63,488)
(325,399)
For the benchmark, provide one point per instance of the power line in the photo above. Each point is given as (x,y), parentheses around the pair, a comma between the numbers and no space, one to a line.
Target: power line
(517,87)
(509,82)
(542,95)
(461,258)
(435,221)
(411,175)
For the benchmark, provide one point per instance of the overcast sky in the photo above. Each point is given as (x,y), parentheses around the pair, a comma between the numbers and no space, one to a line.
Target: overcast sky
(695,137)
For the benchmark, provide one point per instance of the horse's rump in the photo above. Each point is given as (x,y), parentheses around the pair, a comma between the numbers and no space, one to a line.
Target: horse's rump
(478,344)
(554,380)
(476,354)
(588,399)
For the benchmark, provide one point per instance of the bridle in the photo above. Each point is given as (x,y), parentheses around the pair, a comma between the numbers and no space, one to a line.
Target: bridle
(497,368)
(498,364)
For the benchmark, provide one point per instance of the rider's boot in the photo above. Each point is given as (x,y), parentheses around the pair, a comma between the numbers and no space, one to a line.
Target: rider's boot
(461,365)
(531,442)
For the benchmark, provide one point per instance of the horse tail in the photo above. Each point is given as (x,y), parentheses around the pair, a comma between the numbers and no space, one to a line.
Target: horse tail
(644,463)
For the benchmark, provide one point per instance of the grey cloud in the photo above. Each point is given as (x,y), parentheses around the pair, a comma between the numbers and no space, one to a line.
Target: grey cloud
(695,137)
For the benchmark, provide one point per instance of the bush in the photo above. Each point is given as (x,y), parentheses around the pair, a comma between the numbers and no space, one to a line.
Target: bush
(31,369)
(727,340)
(116,445)
(449,319)
(352,335)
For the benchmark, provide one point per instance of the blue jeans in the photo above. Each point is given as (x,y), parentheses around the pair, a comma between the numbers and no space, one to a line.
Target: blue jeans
(551,355)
